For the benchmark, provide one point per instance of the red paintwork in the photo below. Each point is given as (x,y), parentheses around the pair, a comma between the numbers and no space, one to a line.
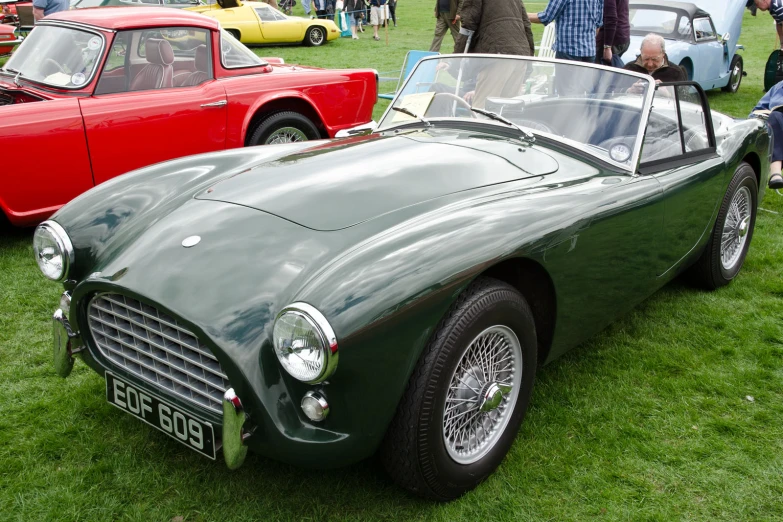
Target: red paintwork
(73,140)
(6,33)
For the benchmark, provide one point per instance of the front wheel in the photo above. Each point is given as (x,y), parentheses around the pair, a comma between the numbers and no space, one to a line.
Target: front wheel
(735,73)
(722,259)
(467,396)
(283,127)
(315,36)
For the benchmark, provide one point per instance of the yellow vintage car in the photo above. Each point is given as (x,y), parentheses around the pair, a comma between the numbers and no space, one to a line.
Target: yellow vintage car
(260,23)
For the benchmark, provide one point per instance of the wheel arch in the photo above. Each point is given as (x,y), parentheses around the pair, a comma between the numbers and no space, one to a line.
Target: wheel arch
(285,103)
(752,159)
(687,64)
(536,286)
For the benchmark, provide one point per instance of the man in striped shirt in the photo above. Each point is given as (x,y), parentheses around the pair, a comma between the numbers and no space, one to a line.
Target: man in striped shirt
(576,22)
(775,8)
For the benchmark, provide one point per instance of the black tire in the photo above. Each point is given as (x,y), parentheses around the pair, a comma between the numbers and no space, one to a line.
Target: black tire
(315,36)
(735,74)
(268,130)
(710,271)
(414,451)
(235,33)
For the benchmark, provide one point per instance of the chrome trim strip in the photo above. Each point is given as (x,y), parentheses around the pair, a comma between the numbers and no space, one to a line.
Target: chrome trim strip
(75,25)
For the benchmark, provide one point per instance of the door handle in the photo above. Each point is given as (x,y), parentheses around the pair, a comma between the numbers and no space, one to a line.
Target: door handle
(220,103)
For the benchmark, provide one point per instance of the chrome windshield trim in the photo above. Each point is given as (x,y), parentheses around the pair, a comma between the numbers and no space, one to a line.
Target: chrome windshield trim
(75,25)
(631,166)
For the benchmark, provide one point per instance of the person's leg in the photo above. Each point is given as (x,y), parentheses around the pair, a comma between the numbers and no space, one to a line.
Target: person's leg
(375,19)
(440,31)
(392,9)
(306,6)
(775,177)
(454,28)
(351,20)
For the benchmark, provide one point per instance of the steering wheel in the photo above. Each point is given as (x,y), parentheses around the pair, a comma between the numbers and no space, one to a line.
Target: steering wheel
(447,100)
(47,62)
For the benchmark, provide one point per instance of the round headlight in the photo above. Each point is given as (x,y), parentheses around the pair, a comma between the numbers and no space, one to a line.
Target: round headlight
(305,343)
(53,250)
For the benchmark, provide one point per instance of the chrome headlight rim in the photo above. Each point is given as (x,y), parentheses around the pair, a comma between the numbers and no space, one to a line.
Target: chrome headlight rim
(63,244)
(325,333)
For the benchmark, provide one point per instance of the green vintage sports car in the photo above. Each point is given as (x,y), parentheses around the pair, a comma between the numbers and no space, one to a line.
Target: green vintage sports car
(395,291)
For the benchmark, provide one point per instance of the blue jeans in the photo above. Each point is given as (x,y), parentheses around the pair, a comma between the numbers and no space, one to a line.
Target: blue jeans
(565,56)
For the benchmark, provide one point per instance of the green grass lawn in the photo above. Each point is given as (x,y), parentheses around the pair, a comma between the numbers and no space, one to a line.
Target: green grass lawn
(673,413)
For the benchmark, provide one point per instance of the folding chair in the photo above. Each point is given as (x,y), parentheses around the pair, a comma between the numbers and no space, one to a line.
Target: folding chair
(547,39)
(411,59)
(26,18)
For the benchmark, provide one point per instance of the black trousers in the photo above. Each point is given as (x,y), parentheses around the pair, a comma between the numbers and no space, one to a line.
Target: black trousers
(776,122)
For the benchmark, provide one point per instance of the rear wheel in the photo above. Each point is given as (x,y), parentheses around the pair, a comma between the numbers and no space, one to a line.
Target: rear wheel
(688,66)
(283,127)
(234,32)
(735,73)
(467,396)
(722,259)
(315,36)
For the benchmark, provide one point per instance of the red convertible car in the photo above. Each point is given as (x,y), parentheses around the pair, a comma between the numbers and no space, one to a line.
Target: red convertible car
(94,93)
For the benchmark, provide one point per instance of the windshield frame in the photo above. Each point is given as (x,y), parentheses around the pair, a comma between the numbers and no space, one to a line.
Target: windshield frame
(72,26)
(632,166)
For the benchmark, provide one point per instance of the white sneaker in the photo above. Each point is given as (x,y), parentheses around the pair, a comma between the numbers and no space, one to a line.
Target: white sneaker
(354,37)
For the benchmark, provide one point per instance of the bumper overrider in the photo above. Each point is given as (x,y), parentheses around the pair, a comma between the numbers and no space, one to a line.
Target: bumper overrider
(154,362)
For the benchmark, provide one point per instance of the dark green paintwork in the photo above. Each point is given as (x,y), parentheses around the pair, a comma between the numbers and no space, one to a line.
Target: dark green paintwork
(385,265)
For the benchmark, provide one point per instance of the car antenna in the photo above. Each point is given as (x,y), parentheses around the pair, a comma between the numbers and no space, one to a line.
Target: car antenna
(529,136)
(411,113)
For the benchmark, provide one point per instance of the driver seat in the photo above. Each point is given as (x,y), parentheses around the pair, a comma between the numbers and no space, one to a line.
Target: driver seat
(159,71)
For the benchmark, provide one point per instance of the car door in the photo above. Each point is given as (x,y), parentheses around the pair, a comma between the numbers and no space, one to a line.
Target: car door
(712,61)
(275,27)
(679,151)
(134,120)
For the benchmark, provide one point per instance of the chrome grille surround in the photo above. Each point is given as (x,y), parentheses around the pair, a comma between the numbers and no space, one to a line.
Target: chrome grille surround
(152,345)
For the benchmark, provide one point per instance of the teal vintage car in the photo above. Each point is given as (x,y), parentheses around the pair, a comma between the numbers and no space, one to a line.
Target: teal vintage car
(395,291)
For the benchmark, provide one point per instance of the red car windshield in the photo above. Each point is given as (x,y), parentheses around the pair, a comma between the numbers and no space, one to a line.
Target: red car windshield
(58,56)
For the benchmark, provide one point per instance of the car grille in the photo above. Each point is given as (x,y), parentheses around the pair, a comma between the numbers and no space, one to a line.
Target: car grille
(150,344)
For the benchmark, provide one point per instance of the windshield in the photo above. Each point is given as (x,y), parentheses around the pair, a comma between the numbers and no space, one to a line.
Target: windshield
(57,56)
(584,106)
(234,54)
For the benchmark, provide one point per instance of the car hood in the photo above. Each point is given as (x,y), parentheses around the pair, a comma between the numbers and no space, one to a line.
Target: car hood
(342,183)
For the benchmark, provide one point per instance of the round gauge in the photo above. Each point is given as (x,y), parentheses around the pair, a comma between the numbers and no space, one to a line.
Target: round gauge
(620,152)
(95,43)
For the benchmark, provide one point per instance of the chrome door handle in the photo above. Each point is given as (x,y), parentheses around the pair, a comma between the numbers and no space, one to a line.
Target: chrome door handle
(215,104)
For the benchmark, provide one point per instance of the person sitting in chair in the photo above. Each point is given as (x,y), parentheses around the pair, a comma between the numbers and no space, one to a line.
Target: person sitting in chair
(769,104)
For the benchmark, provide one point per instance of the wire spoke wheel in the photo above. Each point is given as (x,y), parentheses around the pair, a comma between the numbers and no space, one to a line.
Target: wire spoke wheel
(735,228)
(482,394)
(286,135)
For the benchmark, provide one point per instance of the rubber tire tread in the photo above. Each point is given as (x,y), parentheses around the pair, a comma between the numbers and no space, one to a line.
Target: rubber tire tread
(269,124)
(399,452)
(706,272)
(307,40)
(727,88)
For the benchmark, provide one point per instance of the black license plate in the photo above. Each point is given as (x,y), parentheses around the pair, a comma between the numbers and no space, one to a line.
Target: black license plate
(175,422)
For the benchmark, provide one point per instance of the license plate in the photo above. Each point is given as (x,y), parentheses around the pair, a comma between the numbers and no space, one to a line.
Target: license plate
(175,422)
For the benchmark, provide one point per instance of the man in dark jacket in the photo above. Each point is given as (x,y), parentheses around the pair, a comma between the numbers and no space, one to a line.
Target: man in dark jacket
(499,27)
(447,12)
(614,37)
(653,61)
